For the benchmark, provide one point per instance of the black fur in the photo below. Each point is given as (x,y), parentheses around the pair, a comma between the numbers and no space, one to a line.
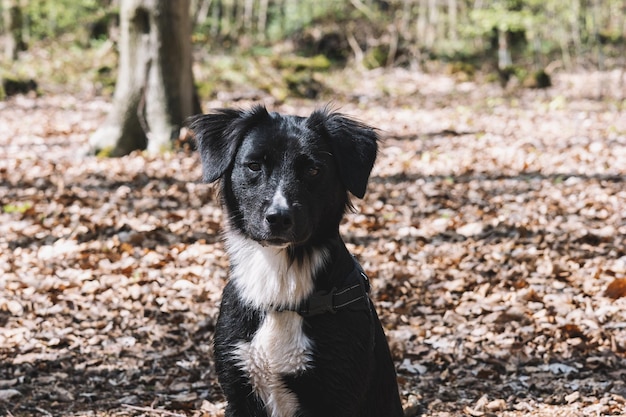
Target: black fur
(285,184)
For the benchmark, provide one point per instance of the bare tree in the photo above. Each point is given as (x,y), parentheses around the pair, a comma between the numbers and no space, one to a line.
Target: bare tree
(12,22)
(154,92)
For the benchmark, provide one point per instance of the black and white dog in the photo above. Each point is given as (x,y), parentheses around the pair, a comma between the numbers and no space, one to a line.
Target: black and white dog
(297,334)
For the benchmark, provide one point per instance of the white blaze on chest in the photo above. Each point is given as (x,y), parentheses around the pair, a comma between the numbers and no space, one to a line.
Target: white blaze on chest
(266,279)
(278,348)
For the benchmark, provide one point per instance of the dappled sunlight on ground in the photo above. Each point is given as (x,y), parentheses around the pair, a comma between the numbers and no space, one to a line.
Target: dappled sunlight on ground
(494,231)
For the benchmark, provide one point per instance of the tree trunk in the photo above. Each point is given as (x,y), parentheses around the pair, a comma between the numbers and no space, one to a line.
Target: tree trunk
(154,92)
(453,24)
(263,13)
(12,22)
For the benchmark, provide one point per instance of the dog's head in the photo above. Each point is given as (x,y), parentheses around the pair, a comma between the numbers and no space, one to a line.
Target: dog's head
(285,179)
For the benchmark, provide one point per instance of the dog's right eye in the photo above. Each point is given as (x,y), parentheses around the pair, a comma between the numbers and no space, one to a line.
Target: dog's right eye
(313,171)
(254,166)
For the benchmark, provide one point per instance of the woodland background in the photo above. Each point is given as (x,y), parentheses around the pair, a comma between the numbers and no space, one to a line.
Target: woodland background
(494,228)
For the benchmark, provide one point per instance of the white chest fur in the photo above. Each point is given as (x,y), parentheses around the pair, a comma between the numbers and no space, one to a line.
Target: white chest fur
(278,348)
(266,279)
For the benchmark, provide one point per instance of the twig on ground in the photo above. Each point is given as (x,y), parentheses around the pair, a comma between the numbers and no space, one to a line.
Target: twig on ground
(152,410)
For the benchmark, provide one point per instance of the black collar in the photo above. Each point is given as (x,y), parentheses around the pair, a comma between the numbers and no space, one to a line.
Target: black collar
(353,295)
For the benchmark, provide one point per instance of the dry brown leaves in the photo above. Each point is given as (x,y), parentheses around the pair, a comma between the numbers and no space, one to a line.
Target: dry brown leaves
(494,232)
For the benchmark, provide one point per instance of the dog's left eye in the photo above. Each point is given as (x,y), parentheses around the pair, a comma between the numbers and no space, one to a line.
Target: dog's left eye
(254,166)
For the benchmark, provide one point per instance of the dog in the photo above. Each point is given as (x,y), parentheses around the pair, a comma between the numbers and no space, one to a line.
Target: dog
(297,335)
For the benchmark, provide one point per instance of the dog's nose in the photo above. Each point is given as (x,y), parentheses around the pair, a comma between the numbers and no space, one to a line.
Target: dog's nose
(279,219)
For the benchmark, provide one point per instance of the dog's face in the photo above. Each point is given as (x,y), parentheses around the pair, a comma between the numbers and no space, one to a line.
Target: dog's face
(282,183)
(285,179)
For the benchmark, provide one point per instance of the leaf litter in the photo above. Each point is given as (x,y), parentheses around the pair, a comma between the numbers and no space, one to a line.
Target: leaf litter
(493,230)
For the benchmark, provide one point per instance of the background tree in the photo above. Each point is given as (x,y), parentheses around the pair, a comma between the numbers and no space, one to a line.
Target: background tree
(12,23)
(154,91)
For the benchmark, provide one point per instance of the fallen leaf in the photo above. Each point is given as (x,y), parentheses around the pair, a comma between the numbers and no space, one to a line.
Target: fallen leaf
(616,289)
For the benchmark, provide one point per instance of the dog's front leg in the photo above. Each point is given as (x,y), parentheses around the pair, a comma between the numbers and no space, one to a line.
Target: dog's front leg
(235,326)
(242,402)
(247,409)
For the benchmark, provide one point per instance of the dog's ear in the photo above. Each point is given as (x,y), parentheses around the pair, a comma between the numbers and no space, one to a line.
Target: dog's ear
(219,134)
(354,146)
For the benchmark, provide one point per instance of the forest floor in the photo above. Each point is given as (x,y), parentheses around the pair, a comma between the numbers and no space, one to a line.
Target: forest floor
(493,230)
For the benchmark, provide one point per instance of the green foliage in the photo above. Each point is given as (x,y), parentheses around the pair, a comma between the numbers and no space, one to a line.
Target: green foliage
(376,57)
(483,21)
(49,19)
(288,17)
(107,152)
(301,63)
(281,76)
(377,33)
(19,208)
(611,36)
(412,31)
(228,22)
